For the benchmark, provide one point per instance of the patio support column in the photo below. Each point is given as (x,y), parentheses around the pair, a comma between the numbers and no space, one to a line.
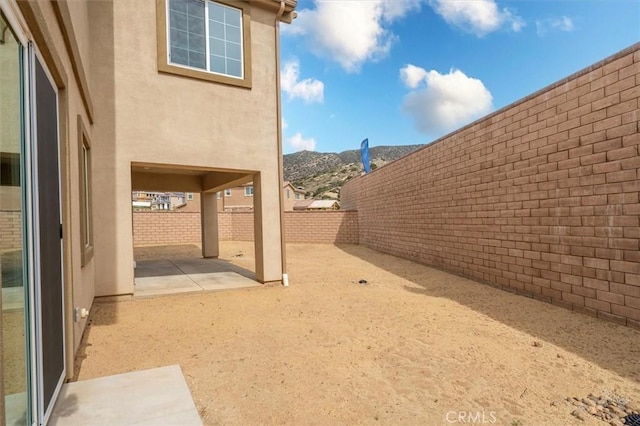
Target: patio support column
(209,224)
(266,222)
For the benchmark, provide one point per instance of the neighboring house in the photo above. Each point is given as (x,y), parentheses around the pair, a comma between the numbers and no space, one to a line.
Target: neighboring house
(236,199)
(191,203)
(103,98)
(317,205)
(145,200)
(302,204)
(241,198)
(291,195)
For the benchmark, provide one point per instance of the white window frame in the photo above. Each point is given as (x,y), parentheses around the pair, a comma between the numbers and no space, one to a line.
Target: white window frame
(227,192)
(248,191)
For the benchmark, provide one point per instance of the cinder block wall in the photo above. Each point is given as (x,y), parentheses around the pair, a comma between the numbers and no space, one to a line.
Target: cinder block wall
(235,226)
(11,230)
(329,227)
(540,198)
(160,228)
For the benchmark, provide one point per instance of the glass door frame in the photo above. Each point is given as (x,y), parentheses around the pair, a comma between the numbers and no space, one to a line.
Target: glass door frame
(35,410)
(18,26)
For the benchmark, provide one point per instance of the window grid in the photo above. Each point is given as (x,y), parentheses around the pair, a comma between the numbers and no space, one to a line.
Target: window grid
(226,56)
(225,40)
(189,12)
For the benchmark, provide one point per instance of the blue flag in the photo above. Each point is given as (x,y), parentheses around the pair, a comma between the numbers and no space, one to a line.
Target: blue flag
(364,153)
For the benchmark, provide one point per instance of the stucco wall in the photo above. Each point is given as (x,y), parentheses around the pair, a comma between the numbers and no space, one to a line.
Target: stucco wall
(236,200)
(10,93)
(540,197)
(159,228)
(152,117)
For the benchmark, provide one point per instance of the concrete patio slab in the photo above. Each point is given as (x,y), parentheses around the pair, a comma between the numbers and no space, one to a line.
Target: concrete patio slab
(162,277)
(154,263)
(165,284)
(223,280)
(147,397)
(194,269)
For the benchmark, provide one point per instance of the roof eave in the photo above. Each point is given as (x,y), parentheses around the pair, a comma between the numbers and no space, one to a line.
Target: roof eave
(288,15)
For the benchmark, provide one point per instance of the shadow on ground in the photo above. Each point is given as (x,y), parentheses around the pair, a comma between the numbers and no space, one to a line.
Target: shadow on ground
(578,333)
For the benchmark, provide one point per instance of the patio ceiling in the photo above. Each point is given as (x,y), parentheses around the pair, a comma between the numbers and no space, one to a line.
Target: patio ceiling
(168,177)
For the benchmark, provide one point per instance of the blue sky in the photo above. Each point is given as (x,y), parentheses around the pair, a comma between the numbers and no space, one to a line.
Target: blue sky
(408,71)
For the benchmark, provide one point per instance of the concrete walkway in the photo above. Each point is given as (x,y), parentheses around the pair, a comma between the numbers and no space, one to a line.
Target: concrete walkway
(162,277)
(159,396)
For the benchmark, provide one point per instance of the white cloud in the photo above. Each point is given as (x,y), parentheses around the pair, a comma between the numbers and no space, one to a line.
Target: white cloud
(284,124)
(412,76)
(351,32)
(299,143)
(397,9)
(479,17)
(563,23)
(309,90)
(445,101)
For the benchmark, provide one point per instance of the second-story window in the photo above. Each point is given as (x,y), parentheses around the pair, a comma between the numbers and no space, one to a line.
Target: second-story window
(206,35)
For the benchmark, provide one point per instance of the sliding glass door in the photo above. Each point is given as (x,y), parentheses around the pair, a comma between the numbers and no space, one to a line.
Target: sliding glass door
(13,227)
(32,322)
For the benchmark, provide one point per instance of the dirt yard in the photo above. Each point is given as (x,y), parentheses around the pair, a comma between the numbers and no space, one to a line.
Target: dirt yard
(413,346)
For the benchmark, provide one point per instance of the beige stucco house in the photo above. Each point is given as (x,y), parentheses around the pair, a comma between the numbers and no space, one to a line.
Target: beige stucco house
(102,98)
(291,195)
(240,199)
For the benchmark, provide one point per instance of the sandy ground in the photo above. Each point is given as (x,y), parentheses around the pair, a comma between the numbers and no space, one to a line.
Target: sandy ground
(13,351)
(414,346)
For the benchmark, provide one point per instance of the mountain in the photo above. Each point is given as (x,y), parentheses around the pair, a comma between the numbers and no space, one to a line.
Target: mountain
(323,174)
